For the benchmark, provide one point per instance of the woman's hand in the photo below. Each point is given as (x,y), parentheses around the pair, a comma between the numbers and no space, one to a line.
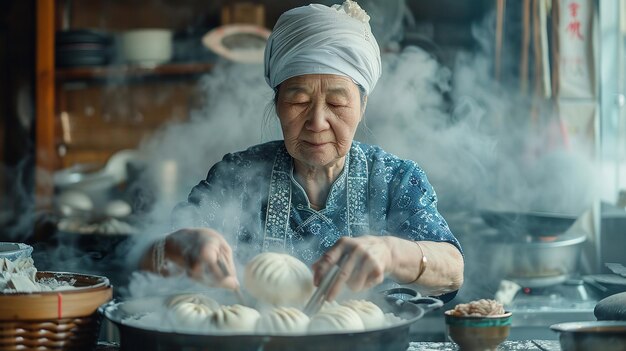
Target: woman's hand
(369,260)
(201,252)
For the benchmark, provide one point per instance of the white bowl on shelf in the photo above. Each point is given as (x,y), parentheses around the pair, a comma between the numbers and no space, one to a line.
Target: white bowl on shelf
(146,46)
(14,251)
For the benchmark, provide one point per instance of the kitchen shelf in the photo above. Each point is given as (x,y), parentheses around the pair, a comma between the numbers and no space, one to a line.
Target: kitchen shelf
(132,71)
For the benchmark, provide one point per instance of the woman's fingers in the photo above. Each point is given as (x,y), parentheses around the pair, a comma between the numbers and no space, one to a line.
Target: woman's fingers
(230,281)
(218,258)
(213,261)
(367,274)
(364,269)
(323,265)
(207,256)
(344,274)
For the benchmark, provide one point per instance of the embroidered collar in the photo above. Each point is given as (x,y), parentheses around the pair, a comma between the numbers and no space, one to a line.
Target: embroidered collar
(353,182)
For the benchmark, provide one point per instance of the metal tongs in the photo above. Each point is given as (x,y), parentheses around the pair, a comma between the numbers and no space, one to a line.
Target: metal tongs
(317,300)
(237,291)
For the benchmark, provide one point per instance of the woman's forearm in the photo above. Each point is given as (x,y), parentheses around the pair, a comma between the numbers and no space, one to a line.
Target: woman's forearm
(443,270)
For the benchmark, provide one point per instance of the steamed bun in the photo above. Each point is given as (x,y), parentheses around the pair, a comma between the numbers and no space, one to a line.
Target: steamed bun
(337,319)
(192,315)
(192,310)
(235,318)
(371,315)
(199,299)
(279,279)
(283,320)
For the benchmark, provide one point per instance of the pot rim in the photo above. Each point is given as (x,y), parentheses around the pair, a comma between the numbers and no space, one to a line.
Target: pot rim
(506,314)
(102,282)
(589,327)
(560,241)
(113,311)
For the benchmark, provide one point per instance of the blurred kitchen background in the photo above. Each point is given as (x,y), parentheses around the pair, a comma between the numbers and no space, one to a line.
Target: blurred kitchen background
(112,111)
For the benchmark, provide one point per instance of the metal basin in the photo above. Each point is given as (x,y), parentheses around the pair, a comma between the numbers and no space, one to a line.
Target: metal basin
(393,337)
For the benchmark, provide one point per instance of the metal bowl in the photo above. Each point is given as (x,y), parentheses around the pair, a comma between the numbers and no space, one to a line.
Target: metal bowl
(135,336)
(598,335)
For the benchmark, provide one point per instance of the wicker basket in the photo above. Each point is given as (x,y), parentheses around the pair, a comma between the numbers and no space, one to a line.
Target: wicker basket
(59,320)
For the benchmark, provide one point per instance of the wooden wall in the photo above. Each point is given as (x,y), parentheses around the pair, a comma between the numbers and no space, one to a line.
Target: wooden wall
(98,120)
(92,121)
(175,14)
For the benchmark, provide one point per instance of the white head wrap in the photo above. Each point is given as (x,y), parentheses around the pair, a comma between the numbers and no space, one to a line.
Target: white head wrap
(317,39)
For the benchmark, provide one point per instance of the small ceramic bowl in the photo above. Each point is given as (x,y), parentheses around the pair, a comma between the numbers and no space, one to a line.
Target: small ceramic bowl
(473,333)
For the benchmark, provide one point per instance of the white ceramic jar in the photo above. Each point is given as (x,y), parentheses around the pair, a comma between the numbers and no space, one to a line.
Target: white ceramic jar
(146,46)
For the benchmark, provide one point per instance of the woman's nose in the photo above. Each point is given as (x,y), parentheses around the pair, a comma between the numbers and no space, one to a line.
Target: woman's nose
(318,118)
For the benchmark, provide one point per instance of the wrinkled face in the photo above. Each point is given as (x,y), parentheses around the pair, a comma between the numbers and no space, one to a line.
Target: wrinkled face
(319,114)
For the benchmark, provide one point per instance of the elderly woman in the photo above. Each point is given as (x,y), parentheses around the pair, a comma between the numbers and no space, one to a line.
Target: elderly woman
(317,194)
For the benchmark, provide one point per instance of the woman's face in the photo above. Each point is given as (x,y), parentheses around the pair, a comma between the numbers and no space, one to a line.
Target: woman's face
(319,114)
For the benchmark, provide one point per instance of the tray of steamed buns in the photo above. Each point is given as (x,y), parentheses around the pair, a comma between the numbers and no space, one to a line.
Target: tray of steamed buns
(271,317)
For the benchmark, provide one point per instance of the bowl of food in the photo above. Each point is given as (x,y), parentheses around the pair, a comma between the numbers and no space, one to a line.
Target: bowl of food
(478,325)
(63,317)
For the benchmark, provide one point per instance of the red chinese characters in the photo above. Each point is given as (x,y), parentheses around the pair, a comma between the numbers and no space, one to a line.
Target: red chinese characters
(573,26)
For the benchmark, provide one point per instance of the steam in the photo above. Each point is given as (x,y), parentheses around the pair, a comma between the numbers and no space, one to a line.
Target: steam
(470,134)
(143,284)
(483,153)
(473,136)
(231,120)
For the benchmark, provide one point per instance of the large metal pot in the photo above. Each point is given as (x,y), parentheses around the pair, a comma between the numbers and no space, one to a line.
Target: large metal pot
(516,224)
(537,261)
(394,337)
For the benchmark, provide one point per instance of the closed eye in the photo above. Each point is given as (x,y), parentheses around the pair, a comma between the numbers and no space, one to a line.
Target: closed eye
(337,105)
(299,102)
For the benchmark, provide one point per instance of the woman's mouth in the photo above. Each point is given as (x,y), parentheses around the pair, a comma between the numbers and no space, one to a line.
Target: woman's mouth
(315,144)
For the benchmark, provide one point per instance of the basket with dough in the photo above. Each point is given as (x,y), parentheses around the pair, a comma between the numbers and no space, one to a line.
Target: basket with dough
(54,320)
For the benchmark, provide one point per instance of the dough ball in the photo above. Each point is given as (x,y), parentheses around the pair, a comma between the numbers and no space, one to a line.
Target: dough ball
(192,315)
(235,319)
(198,299)
(329,305)
(279,279)
(74,200)
(192,310)
(283,320)
(371,315)
(117,209)
(336,320)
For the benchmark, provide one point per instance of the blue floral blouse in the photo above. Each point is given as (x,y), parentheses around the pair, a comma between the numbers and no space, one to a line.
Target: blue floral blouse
(253,199)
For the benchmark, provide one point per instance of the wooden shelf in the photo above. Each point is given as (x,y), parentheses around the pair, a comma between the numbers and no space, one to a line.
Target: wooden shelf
(132,71)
